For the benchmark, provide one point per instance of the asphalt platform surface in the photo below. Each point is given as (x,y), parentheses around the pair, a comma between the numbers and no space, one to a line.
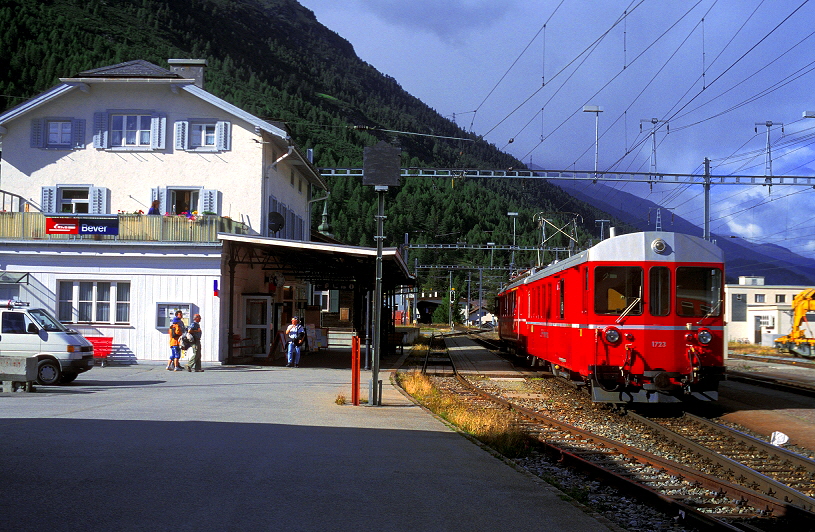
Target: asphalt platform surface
(252,448)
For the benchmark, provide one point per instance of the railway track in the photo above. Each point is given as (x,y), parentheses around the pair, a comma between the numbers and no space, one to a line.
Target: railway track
(764,467)
(706,484)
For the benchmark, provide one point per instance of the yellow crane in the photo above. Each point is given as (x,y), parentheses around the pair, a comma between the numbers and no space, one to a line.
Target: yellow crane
(797,341)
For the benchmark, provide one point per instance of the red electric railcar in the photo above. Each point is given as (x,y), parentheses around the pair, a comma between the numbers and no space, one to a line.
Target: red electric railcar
(637,318)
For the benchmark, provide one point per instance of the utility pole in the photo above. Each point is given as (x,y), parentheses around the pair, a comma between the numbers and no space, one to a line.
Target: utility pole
(655,123)
(596,109)
(602,227)
(768,156)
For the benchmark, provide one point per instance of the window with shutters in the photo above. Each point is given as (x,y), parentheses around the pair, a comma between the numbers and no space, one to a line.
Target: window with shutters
(58,133)
(132,130)
(202,135)
(75,199)
(180,200)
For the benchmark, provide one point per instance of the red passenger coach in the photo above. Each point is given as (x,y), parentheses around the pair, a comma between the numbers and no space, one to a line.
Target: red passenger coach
(637,318)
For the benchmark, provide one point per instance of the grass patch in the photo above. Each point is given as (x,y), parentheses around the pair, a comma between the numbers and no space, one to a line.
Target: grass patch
(752,349)
(495,428)
(340,400)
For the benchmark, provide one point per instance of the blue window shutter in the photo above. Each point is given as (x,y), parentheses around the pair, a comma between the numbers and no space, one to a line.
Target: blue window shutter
(333,301)
(48,201)
(38,133)
(222,136)
(101,138)
(158,128)
(210,201)
(78,133)
(99,199)
(182,135)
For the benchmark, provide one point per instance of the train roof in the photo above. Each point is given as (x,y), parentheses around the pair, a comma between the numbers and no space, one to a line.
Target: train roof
(651,246)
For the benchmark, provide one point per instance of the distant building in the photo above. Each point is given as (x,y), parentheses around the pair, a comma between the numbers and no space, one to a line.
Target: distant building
(756,313)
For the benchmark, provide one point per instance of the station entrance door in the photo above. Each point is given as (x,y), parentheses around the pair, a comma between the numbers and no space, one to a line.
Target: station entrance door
(257,325)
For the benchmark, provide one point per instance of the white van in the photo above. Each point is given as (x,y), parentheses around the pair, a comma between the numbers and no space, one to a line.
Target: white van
(61,353)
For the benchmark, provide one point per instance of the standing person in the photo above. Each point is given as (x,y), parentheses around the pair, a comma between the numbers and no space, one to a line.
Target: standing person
(296,333)
(154,208)
(176,330)
(195,330)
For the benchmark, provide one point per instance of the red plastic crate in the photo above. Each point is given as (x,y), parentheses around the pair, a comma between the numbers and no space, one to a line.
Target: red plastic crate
(102,345)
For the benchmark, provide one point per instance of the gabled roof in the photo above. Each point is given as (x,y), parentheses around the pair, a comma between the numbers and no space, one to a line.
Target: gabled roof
(130,69)
(134,71)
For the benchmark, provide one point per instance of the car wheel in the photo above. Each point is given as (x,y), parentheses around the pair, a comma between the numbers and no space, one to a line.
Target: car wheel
(48,372)
(68,378)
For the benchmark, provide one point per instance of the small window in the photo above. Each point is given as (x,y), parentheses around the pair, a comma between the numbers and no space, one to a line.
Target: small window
(780,298)
(206,135)
(202,135)
(759,298)
(659,291)
(73,200)
(58,133)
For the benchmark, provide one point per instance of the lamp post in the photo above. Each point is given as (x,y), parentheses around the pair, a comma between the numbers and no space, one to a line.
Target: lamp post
(514,216)
(491,245)
(596,109)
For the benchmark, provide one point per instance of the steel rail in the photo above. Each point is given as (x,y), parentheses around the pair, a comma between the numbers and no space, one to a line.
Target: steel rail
(781,493)
(765,506)
(774,451)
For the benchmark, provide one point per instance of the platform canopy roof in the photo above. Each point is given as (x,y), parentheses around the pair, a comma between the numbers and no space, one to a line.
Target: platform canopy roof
(317,262)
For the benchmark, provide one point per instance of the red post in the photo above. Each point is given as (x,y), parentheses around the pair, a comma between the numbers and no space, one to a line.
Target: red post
(355,370)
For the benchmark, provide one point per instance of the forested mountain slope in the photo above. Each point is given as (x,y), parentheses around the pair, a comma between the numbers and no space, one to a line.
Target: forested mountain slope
(273,59)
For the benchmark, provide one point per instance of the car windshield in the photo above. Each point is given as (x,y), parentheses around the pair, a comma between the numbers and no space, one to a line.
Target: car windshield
(46,320)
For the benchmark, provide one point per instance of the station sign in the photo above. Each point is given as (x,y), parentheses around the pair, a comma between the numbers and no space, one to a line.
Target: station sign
(82,226)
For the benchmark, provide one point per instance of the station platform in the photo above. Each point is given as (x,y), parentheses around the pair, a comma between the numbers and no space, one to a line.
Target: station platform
(253,448)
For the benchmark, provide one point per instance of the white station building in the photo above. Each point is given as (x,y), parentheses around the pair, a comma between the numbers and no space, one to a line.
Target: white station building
(83,162)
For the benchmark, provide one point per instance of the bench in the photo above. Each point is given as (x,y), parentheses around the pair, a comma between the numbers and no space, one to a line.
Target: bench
(102,347)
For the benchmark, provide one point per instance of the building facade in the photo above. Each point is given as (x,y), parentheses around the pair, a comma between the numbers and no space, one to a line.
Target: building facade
(756,313)
(82,164)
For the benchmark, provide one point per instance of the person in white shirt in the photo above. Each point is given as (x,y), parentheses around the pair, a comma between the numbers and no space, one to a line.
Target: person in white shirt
(296,335)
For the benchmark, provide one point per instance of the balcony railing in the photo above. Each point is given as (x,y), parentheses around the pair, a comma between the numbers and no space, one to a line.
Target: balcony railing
(131,227)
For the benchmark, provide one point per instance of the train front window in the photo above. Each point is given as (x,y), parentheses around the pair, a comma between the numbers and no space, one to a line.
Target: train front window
(616,288)
(659,290)
(698,292)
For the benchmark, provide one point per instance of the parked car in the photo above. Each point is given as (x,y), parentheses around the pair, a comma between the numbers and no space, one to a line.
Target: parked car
(62,354)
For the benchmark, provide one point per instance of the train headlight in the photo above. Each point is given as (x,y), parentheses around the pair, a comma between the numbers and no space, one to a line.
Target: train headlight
(704,336)
(611,335)
(659,246)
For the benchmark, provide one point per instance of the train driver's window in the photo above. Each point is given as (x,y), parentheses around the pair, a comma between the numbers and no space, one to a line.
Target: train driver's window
(659,290)
(616,288)
(698,291)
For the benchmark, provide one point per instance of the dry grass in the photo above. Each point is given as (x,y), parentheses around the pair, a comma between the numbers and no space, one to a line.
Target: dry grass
(496,428)
(340,400)
(752,349)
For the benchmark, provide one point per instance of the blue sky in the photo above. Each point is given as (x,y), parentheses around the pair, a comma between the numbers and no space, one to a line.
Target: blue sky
(520,72)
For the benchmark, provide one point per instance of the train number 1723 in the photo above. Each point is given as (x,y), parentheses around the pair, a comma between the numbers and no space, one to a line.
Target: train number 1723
(659,344)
